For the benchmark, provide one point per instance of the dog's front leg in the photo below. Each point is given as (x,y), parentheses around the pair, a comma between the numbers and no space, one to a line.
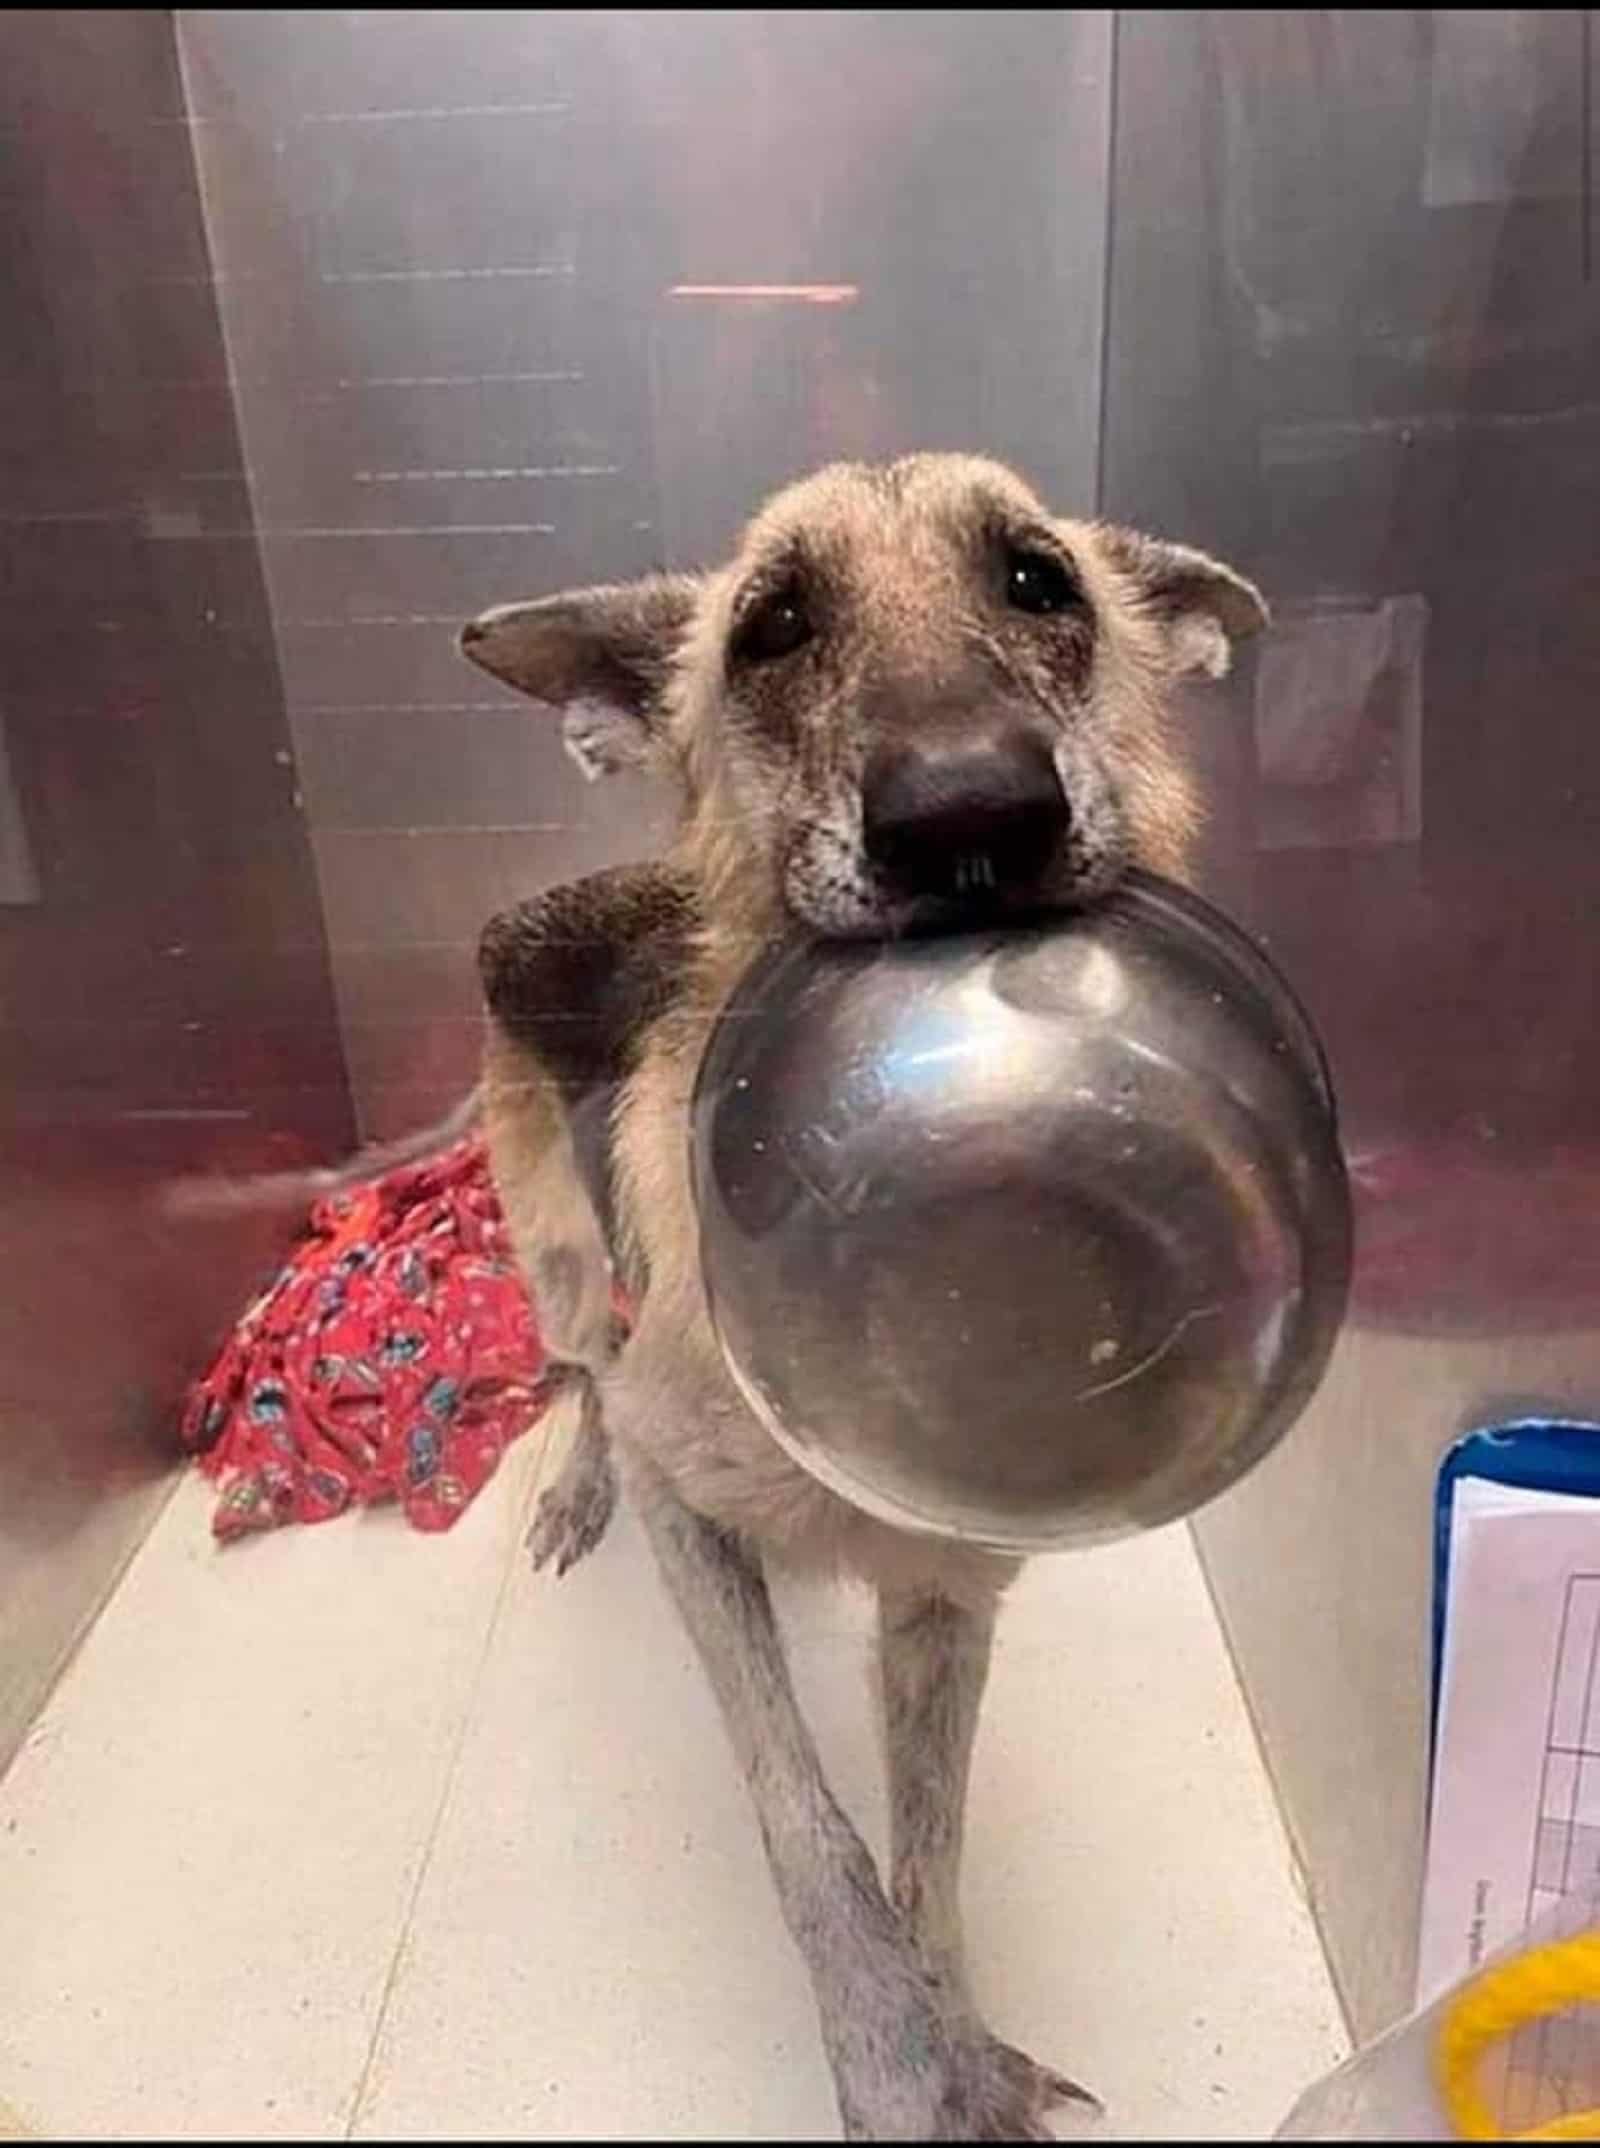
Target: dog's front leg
(886,2035)
(907,2063)
(933,1656)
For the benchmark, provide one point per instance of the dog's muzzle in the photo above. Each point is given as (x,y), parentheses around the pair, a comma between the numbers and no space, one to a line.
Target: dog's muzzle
(952,816)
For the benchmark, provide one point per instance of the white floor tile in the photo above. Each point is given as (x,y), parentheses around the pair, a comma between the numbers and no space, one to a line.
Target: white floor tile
(1133,1909)
(210,1840)
(596,1949)
(351,1830)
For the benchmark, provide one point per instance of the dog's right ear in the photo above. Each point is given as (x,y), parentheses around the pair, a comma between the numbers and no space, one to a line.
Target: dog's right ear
(603,657)
(1201,606)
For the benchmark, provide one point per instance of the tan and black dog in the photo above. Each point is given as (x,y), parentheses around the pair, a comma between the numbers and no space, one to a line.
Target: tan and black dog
(913,697)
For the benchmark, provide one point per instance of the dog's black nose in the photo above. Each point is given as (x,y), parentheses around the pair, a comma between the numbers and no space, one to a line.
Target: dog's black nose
(952,815)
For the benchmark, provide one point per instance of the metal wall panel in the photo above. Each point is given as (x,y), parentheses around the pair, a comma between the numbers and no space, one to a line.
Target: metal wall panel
(165,1002)
(1354,344)
(521,299)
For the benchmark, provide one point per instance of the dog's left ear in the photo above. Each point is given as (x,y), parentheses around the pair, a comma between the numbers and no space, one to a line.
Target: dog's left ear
(1203,606)
(603,657)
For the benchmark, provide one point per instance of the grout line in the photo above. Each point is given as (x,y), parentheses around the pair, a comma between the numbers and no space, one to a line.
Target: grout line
(402,708)
(522,1506)
(343,621)
(455,380)
(1307,1894)
(490,470)
(532,270)
(411,828)
(389,529)
(550,110)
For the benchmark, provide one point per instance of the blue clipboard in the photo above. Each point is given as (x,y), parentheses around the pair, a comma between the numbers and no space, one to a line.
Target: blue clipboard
(1535,1454)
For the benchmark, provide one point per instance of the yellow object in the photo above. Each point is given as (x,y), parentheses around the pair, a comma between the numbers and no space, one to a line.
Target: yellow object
(1529,1987)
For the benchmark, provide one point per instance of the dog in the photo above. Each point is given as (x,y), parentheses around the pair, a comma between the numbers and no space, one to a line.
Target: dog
(913,699)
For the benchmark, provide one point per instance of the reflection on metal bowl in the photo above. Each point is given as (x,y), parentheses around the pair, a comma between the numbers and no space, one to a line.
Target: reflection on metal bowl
(1027,1237)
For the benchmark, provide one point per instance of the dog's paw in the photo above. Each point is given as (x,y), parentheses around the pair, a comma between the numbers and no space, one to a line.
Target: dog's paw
(997,2093)
(919,2075)
(572,1515)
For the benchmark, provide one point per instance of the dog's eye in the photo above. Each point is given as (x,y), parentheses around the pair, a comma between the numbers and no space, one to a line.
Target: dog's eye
(775,625)
(1038,582)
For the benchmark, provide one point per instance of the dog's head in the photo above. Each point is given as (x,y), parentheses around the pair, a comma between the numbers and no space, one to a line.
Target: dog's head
(912,697)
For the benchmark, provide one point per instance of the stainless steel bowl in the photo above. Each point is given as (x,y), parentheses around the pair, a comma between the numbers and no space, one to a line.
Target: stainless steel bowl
(1030,1238)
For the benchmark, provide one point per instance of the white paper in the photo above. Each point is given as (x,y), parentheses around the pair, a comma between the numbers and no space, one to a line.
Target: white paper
(1515,1821)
